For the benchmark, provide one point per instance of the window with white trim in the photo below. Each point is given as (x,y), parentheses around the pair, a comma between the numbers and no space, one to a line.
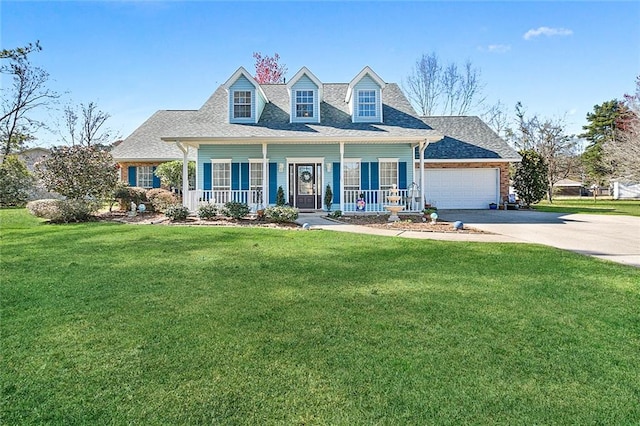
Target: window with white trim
(351,178)
(304,103)
(221,176)
(255,182)
(242,104)
(388,174)
(144,175)
(366,103)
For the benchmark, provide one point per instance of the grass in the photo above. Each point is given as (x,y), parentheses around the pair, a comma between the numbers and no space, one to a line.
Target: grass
(124,324)
(587,205)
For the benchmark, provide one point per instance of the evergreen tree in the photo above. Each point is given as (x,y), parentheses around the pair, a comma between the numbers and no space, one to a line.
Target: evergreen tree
(530,180)
(601,130)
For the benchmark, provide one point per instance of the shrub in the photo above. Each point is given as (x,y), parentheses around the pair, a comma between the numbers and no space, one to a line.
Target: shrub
(281,214)
(336,214)
(15,182)
(63,211)
(161,199)
(207,211)
(280,201)
(236,210)
(127,194)
(177,212)
(328,197)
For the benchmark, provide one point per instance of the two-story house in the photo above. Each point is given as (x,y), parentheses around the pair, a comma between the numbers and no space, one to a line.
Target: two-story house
(360,138)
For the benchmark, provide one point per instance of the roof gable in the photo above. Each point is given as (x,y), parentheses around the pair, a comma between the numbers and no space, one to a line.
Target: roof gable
(365,71)
(241,72)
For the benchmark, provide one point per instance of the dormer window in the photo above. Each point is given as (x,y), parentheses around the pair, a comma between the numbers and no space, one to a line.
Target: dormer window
(242,104)
(366,103)
(304,103)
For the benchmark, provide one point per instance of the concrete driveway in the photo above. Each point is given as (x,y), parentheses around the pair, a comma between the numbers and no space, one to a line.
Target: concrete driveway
(615,238)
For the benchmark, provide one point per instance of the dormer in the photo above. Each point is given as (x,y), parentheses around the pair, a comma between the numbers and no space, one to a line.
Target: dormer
(246,97)
(364,97)
(305,95)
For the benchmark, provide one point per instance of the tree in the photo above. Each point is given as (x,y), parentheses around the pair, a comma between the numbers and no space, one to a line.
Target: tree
(26,93)
(90,130)
(600,131)
(549,139)
(170,174)
(623,151)
(530,180)
(79,172)
(434,88)
(268,69)
(15,182)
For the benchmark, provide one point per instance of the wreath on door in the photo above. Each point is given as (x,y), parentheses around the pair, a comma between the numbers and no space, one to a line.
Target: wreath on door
(306,176)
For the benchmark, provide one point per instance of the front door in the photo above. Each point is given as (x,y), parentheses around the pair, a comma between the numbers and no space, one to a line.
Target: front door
(306,188)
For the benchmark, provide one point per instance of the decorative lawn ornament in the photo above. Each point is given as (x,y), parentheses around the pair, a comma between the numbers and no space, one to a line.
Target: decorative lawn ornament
(458,225)
(142,208)
(306,226)
(434,217)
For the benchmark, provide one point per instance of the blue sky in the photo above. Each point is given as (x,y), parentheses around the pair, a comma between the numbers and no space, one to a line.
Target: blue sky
(558,58)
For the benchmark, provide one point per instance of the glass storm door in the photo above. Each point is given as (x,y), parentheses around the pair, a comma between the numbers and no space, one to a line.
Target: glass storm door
(305,186)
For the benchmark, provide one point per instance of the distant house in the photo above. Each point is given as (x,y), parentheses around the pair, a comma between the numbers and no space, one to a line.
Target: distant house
(360,138)
(569,187)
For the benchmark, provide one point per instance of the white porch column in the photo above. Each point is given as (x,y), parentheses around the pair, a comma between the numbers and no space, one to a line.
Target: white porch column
(421,149)
(265,176)
(185,173)
(341,176)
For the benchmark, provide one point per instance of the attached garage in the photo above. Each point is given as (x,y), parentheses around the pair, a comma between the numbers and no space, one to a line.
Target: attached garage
(472,188)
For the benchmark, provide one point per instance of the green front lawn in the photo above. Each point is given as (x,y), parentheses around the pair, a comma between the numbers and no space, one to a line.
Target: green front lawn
(604,205)
(124,324)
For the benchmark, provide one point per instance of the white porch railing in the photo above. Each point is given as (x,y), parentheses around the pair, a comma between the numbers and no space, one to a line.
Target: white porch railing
(375,200)
(253,198)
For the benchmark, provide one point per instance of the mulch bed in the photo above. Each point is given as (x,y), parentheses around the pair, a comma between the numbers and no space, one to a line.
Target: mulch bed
(152,218)
(406,223)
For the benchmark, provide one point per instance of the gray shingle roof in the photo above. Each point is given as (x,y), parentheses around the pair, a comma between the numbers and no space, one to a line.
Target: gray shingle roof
(212,120)
(467,138)
(145,143)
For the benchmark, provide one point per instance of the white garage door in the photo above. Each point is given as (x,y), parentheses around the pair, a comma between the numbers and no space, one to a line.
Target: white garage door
(462,188)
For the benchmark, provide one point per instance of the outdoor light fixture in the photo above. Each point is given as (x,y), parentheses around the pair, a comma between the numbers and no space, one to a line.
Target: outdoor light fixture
(329,168)
(281,167)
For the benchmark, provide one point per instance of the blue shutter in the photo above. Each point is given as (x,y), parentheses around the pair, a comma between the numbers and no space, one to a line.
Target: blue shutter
(375,175)
(244,176)
(132,176)
(156,180)
(235,176)
(336,183)
(206,176)
(364,176)
(402,175)
(273,182)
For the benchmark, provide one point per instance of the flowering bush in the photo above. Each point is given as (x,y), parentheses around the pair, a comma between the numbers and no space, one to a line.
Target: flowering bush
(281,214)
(78,172)
(177,212)
(161,199)
(207,211)
(63,211)
(236,210)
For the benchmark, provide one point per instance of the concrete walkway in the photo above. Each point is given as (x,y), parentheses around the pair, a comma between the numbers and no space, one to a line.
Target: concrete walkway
(614,238)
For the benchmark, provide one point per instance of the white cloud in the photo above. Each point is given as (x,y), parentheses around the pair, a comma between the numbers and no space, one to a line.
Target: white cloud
(546,31)
(498,48)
